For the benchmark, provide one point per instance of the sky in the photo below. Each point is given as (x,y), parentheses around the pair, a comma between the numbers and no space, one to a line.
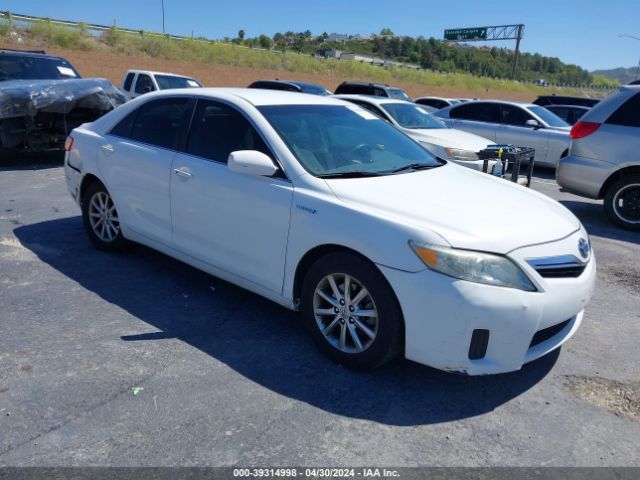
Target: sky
(582,32)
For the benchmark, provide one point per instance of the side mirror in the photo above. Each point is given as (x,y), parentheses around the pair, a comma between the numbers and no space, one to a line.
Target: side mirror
(533,124)
(251,162)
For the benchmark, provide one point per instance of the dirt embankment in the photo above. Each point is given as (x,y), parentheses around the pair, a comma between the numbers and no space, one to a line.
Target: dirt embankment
(113,66)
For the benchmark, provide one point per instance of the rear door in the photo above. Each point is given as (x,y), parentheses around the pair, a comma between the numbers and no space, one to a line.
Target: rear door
(479,118)
(135,161)
(233,221)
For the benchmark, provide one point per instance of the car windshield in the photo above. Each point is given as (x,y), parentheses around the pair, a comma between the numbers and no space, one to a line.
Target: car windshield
(166,82)
(336,139)
(27,67)
(549,117)
(412,116)
(313,89)
(398,94)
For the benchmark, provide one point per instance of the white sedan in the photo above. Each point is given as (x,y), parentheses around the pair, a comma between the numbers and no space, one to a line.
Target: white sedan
(431,131)
(321,206)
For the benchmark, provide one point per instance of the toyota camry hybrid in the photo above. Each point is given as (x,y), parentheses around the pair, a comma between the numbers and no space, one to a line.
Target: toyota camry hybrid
(321,206)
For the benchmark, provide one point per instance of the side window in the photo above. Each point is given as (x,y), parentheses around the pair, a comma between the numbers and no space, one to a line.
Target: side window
(479,112)
(128,81)
(627,114)
(513,115)
(158,122)
(144,84)
(218,129)
(380,92)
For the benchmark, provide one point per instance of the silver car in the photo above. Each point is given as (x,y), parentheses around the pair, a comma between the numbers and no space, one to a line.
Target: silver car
(604,157)
(521,124)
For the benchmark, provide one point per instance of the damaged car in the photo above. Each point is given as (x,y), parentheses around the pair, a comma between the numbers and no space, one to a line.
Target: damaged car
(43,98)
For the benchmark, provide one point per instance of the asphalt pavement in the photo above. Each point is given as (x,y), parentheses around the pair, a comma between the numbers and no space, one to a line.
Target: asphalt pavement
(137,359)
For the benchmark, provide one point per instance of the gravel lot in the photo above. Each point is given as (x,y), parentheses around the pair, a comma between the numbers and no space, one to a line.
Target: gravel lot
(137,359)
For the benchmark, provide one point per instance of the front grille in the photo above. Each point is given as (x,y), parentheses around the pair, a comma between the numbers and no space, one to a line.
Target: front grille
(566,266)
(547,333)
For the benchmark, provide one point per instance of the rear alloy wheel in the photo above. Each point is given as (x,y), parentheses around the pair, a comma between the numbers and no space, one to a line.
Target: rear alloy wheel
(101,220)
(351,311)
(622,202)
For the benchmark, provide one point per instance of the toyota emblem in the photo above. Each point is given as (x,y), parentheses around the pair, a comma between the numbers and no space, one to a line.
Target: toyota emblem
(584,248)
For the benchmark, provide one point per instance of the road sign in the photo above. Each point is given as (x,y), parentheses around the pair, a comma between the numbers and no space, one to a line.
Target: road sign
(478,33)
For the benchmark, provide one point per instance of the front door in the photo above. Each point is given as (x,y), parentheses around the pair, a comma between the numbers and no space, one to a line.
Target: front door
(233,221)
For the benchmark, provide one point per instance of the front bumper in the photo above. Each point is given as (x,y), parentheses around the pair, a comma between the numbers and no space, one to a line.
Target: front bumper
(583,176)
(441,314)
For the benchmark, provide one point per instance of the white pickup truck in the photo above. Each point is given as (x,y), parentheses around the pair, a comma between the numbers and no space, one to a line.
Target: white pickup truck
(139,82)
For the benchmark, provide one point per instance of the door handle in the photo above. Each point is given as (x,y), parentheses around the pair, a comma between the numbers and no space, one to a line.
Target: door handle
(107,149)
(182,171)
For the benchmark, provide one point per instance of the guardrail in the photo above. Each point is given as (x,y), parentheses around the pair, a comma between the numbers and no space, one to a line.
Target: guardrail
(96,29)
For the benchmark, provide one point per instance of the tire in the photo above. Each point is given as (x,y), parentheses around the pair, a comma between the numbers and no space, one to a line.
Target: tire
(378,298)
(622,202)
(103,231)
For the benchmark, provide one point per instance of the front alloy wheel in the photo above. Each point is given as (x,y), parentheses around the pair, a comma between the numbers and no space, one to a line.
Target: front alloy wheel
(345,313)
(351,311)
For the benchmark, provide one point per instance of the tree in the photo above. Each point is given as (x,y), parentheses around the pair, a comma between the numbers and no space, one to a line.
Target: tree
(241,35)
(386,31)
(264,41)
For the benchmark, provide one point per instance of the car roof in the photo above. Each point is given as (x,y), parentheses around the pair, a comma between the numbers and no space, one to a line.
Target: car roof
(377,100)
(263,97)
(507,102)
(367,84)
(435,98)
(31,53)
(153,72)
(562,105)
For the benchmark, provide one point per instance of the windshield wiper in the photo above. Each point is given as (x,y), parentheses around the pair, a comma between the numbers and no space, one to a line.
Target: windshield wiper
(416,166)
(355,174)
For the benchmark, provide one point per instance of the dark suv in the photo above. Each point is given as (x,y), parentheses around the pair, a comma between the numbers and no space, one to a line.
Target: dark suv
(544,100)
(374,89)
(42,98)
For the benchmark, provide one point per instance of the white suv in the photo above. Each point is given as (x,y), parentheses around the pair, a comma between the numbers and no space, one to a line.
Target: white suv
(604,156)
(139,82)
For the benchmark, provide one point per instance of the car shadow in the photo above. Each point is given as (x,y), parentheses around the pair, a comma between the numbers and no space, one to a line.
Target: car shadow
(261,340)
(596,222)
(31,161)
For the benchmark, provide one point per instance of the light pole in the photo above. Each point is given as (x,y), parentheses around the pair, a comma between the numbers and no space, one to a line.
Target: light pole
(162,16)
(635,38)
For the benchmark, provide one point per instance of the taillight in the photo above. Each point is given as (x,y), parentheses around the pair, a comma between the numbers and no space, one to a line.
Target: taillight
(68,144)
(583,129)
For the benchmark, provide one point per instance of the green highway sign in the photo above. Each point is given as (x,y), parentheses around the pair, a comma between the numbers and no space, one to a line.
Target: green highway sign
(479,33)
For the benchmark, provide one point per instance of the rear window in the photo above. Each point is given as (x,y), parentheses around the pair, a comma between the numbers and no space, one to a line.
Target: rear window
(31,67)
(170,81)
(627,114)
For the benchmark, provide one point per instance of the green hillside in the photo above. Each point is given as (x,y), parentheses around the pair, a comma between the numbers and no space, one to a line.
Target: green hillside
(622,75)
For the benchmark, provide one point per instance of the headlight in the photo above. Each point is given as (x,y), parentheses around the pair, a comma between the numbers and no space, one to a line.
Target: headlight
(458,154)
(478,267)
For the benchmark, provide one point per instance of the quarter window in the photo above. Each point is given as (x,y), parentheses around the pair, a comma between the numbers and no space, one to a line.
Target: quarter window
(218,129)
(628,114)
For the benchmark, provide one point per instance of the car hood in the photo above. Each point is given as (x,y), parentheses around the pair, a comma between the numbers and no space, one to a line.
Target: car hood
(449,138)
(20,98)
(468,209)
